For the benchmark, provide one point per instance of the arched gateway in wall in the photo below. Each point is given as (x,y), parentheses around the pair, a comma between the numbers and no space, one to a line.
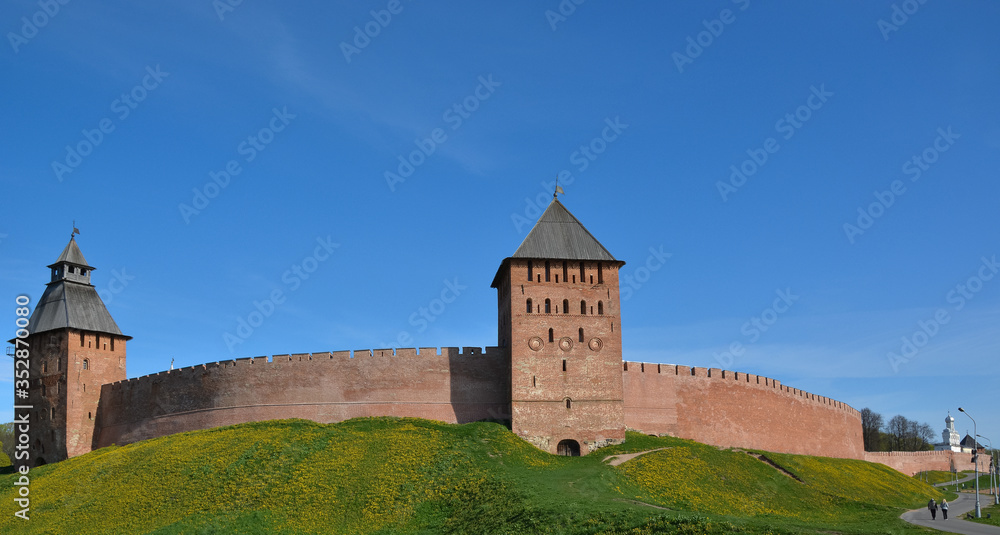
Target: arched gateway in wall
(568,447)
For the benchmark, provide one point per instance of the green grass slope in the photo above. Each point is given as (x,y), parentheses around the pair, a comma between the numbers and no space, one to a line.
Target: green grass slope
(388,475)
(933,477)
(990,512)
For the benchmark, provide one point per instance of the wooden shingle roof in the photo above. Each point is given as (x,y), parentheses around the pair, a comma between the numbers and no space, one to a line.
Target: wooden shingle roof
(70,301)
(559,235)
(71,255)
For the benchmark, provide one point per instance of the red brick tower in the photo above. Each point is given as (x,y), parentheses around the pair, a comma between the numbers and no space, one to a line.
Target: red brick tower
(559,319)
(75,348)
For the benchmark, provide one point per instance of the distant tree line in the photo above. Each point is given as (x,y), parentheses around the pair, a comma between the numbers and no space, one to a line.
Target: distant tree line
(898,434)
(7,442)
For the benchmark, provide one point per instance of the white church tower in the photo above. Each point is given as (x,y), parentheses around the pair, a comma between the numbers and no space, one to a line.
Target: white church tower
(952,441)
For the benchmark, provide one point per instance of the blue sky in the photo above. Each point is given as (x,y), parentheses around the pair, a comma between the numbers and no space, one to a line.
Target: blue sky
(735,140)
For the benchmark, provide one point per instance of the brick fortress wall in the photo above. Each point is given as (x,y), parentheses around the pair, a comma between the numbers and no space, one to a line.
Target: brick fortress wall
(722,408)
(912,462)
(452,386)
(734,409)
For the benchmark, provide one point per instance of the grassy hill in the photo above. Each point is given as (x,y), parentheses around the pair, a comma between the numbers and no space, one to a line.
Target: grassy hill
(388,475)
(933,477)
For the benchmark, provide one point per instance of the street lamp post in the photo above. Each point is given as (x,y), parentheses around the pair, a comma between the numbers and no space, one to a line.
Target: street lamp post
(993,488)
(995,477)
(975,454)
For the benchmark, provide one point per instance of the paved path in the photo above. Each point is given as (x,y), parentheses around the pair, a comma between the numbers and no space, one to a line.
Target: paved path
(969,477)
(956,510)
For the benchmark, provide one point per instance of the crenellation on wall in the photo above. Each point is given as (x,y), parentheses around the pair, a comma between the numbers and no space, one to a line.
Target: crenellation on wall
(912,462)
(744,410)
(754,380)
(450,384)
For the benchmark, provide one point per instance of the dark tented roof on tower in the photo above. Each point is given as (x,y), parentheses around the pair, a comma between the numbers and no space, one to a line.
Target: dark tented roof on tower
(68,304)
(969,442)
(71,254)
(558,234)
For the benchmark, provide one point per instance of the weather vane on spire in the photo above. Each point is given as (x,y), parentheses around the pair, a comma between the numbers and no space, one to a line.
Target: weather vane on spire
(555,194)
(75,230)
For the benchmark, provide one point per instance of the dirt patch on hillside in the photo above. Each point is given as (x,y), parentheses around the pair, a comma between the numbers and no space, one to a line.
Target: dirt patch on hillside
(776,466)
(615,460)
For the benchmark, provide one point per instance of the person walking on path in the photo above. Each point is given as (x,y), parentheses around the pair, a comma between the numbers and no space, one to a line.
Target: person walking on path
(932,505)
(956,509)
(944,509)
